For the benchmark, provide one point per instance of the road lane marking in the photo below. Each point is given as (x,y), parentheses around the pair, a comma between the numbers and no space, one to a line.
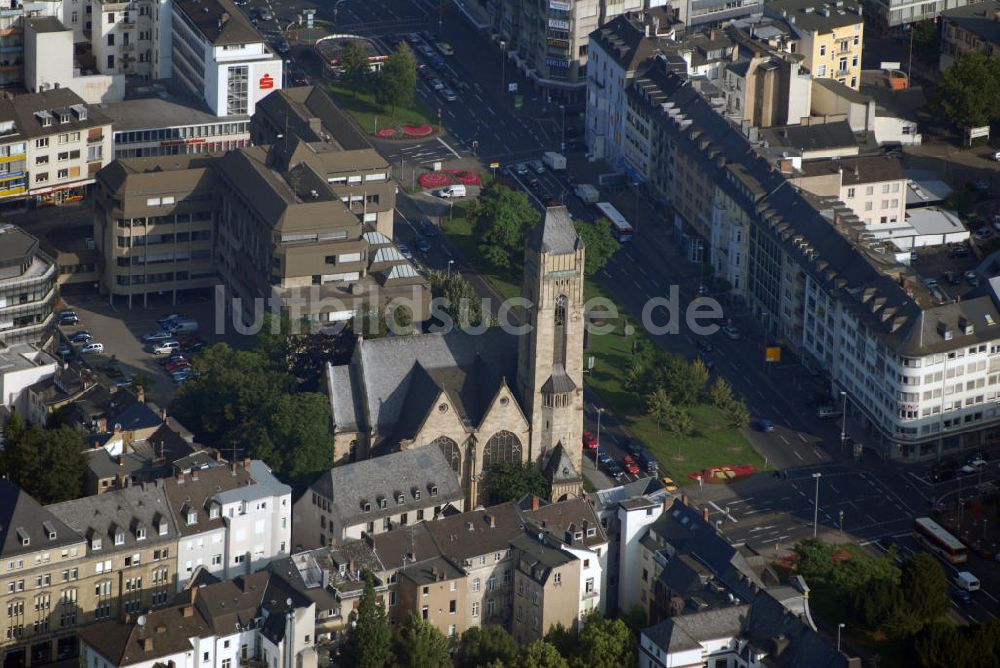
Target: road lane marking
(801,437)
(801,460)
(782,437)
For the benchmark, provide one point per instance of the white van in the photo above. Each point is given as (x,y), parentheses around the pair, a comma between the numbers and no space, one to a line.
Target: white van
(165,348)
(451,191)
(967,581)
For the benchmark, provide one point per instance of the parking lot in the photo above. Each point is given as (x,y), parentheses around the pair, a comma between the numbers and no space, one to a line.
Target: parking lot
(120,330)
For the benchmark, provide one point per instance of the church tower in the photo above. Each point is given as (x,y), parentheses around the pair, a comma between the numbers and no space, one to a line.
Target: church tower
(550,356)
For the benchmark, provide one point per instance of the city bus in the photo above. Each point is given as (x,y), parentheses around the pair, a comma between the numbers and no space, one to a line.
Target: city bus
(620,228)
(936,539)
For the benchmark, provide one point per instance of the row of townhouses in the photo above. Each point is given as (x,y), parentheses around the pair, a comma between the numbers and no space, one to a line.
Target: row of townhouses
(812,230)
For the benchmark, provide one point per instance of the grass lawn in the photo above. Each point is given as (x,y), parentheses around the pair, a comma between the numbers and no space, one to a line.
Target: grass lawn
(713,442)
(362,106)
(506,280)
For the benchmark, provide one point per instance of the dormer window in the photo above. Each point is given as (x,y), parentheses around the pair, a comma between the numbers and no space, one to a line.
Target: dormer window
(50,530)
(192,517)
(434,490)
(383,503)
(213,512)
(140,533)
(400,498)
(95,543)
(367,506)
(163,527)
(22,537)
(64,117)
(119,537)
(591,532)
(416,494)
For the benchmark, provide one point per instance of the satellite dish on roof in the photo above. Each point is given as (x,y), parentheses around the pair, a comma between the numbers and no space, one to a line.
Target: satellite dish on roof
(288,601)
(141,621)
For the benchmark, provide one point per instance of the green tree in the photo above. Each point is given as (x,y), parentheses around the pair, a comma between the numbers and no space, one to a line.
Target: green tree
(480,646)
(925,587)
(720,393)
(354,61)
(737,414)
(539,654)
(968,93)
(678,376)
(383,319)
(814,559)
(48,464)
(369,645)
(699,375)
(680,423)
(459,300)
(505,215)
(605,643)
(659,407)
(397,80)
(563,639)
(510,481)
(926,41)
(421,645)
(599,243)
(941,645)
(300,424)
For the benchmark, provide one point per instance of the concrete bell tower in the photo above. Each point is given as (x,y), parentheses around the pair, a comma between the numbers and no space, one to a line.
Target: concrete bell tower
(550,357)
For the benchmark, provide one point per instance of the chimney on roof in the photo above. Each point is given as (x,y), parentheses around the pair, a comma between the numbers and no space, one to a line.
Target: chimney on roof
(102,425)
(187,610)
(194,475)
(246,463)
(147,644)
(140,394)
(180,477)
(684,499)
(118,428)
(491,520)
(163,414)
(121,460)
(704,513)
(534,502)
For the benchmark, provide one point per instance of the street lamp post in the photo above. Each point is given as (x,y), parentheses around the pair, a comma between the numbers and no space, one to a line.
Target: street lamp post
(816,476)
(562,143)
(503,66)
(840,626)
(841,523)
(336,6)
(600,412)
(843,420)
(450,262)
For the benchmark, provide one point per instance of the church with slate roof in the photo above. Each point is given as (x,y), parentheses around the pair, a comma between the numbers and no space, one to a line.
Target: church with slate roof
(486,398)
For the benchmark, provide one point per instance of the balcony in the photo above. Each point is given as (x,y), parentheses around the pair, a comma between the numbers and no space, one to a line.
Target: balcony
(91,140)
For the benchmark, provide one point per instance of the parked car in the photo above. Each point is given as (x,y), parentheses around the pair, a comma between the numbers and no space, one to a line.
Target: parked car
(630,465)
(193,347)
(80,336)
(169,319)
(165,348)
(89,348)
(704,345)
(972,278)
(765,425)
(707,361)
(537,166)
(962,597)
(824,412)
(423,245)
(522,169)
(647,462)
(603,459)
(437,84)
(123,381)
(405,251)
(616,471)
(730,332)
(177,366)
(668,483)
(631,446)
(68,318)
(448,94)
(589,441)
(176,357)
(154,337)
(983,233)
(449,192)
(266,15)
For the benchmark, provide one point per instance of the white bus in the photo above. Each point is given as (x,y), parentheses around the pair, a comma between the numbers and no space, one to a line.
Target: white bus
(934,536)
(619,226)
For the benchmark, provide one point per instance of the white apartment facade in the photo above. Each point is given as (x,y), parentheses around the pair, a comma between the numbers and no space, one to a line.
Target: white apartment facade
(126,37)
(634,515)
(218,55)
(233,520)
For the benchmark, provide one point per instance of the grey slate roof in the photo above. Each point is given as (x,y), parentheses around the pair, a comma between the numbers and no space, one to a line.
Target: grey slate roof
(22,519)
(125,510)
(478,532)
(265,484)
(809,14)
(350,486)
(15,244)
(560,468)
(812,137)
(556,233)
(377,388)
(686,632)
(787,639)
(219,21)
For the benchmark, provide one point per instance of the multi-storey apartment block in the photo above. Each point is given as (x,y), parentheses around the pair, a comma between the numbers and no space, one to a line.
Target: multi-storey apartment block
(232,519)
(970,27)
(252,620)
(126,36)
(73,563)
(220,57)
(826,283)
(829,36)
(898,14)
(27,288)
(873,187)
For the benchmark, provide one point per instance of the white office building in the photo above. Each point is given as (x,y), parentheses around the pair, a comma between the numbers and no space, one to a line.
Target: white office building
(218,55)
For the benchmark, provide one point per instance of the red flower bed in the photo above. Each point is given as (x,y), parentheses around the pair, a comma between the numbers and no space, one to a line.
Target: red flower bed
(386,133)
(435,180)
(417,130)
(466,177)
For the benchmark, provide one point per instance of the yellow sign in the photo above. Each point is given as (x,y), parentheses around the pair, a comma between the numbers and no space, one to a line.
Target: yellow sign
(772,354)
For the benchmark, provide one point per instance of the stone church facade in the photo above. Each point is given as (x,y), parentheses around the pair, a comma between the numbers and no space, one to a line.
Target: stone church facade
(482,399)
